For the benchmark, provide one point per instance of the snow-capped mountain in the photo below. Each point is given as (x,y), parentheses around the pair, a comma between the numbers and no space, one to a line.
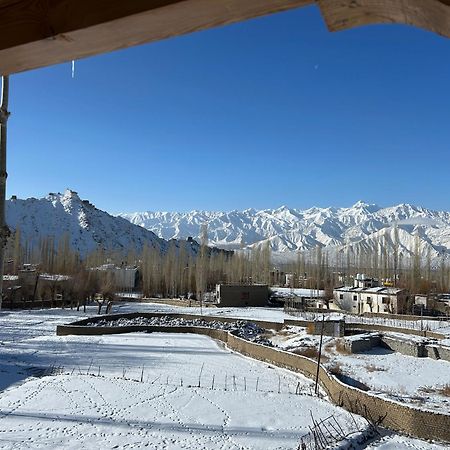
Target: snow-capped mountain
(361,227)
(87,227)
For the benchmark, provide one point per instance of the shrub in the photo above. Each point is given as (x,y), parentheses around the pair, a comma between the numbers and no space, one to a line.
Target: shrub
(341,348)
(373,368)
(445,390)
(336,368)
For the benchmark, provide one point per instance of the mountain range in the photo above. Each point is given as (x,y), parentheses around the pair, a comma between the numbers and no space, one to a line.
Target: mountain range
(362,227)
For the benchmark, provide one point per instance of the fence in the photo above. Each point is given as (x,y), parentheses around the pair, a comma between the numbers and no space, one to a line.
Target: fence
(394,415)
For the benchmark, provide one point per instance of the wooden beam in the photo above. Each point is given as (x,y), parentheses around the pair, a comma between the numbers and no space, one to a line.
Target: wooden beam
(432,15)
(37,33)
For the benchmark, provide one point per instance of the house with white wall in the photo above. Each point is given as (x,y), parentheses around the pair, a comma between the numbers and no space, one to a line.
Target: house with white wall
(367,295)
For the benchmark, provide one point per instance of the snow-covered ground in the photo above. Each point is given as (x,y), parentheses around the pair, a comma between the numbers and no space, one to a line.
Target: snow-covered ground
(95,398)
(76,410)
(441,326)
(416,381)
(397,442)
(269,314)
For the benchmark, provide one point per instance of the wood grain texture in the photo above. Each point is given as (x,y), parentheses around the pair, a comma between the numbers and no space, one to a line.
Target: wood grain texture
(36,33)
(432,15)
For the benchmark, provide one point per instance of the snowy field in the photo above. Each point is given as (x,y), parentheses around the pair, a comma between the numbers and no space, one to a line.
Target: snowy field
(416,381)
(167,409)
(96,399)
(142,390)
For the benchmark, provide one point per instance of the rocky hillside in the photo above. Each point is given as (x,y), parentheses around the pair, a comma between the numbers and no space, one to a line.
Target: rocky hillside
(87,227)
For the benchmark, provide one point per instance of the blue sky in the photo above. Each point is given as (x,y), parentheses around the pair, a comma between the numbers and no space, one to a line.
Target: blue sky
(267,112)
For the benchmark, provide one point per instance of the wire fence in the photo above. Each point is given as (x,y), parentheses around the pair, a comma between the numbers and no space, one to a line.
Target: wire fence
(425,324)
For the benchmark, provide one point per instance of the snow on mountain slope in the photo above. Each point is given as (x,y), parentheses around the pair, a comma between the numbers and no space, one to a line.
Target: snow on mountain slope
(361,227)
(88,228)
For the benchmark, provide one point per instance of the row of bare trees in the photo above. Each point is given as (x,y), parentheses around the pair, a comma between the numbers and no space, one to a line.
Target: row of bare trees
(174,272)
(177,271)
(318,270)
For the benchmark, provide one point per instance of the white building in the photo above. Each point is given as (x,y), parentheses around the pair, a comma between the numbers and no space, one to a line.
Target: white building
(366,295)
(125,278)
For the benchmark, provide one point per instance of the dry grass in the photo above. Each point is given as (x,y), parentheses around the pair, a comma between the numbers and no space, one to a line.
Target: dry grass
(329,346)
(340,347)
(284,332)
(373,368)
(427,390)
(311,352)
(336,368)
(445,390)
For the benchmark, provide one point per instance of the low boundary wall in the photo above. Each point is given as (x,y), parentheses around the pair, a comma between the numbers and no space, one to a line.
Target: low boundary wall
(262,323)
(399,417)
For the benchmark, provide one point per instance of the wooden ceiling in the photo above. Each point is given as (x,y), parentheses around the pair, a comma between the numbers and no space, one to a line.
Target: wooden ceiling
(37,33)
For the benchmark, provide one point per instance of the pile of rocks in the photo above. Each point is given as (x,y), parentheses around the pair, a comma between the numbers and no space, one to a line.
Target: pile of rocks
(249,331)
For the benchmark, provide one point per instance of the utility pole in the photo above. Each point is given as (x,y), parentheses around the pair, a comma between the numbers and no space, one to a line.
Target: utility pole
(316,387)
(4,230)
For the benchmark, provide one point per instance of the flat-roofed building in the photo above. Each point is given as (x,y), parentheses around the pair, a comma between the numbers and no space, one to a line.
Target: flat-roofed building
(379,299)
(125,277)
(242,294)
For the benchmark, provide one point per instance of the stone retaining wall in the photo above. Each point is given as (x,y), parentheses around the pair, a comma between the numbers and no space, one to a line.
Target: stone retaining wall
(262,323)
(362,344)
(422,424)
(376,327)
(417,349)
(405,347)
(438,352)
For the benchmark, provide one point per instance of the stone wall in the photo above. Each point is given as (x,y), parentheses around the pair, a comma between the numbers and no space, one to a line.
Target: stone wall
(376,327)
(362,343)
(399,417)
(437,352)
(418,349)
(405,347)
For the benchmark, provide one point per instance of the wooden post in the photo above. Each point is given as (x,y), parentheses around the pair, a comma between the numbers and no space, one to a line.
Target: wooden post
(4,230)
(316,387)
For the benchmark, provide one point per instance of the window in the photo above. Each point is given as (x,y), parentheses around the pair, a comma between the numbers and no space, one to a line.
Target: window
(385,300)
(341,296)
(355,298)
(369,300)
